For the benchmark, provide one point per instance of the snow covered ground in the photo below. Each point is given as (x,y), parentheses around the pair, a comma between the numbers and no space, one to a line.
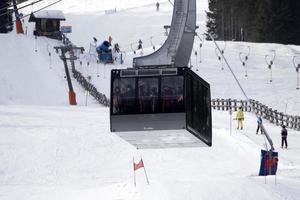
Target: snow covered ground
(68,153)
(49,150)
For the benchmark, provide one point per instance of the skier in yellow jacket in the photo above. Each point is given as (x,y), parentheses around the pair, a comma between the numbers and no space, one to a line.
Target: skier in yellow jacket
(240,118)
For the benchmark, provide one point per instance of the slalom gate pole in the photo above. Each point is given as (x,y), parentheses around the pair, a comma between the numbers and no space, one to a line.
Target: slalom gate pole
(146,173)
(230,114)
(134,174)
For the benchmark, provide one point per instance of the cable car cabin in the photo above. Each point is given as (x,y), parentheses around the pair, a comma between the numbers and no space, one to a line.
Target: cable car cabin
(163,99)
(47,23)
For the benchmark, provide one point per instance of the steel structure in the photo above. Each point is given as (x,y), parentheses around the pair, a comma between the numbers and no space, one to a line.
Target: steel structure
(176,50)
(160,102)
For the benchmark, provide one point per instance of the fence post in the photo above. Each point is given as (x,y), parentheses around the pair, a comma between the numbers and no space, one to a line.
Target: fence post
(218,103)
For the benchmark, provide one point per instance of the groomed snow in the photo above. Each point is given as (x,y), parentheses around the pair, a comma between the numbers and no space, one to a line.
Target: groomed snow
(67,153)
(49,150)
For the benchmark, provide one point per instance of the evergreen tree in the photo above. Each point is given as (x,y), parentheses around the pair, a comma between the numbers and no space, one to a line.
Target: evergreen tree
(211,20)
(5,18)
(255,20)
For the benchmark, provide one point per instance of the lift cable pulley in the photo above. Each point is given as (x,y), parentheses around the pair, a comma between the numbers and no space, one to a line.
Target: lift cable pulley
(270,61)
(244,58)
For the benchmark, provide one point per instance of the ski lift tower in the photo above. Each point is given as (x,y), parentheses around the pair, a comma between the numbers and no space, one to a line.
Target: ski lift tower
(160,102)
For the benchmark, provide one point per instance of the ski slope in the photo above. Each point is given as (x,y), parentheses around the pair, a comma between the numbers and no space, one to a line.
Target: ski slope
(29,76)
(49,150)
(68,153)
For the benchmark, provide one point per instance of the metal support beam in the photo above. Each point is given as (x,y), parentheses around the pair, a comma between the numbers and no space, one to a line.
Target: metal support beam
(176,50)
(69,49)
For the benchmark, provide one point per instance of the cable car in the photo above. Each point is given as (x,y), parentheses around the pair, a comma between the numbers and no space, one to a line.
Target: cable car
(160,98)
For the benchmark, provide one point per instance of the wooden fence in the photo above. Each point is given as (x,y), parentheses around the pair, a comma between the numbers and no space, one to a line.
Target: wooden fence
(83,81)
(101,98)
(273,116)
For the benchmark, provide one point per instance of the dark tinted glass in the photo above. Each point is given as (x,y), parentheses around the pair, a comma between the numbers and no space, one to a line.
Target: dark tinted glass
(198,108)
(124,96)
(148,95)
(172,95)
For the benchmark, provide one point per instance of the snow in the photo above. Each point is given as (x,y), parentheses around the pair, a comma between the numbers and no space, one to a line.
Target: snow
(49,14)
(49,150)
(69,153)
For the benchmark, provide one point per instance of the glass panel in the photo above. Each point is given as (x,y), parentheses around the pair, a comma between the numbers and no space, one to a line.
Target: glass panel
(51,25)
(172,94)
(124,96)
(148,95)
(198,108)
(43,25)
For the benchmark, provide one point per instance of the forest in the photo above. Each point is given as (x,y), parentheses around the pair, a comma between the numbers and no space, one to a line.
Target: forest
(5,17)
(270,21)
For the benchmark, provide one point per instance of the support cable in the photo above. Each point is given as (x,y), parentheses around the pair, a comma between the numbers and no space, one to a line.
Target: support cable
(243,91)
(21,17)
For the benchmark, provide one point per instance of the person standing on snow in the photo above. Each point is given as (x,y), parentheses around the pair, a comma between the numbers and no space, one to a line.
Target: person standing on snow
(259,123)
(157,6)
(284,134)
(140,44)
(240,118)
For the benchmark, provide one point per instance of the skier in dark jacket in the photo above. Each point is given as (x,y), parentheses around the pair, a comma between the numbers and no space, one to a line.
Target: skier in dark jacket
(259,123)
(284,134)
(157,6)
(140,44)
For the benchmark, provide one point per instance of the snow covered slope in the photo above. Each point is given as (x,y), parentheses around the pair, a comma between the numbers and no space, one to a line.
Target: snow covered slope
(87,6)
(29,77)
(67,153)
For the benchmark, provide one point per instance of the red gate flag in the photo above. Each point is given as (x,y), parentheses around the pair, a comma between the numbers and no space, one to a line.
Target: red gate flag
(138,165)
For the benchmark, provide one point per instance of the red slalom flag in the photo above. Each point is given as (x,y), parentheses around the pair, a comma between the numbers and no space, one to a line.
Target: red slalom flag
(138,165)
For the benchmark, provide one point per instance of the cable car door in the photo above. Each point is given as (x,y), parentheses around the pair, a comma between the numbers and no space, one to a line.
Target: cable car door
(198,107)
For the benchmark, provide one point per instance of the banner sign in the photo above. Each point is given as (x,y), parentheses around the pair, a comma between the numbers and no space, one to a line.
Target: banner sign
(66,29)
(269,163)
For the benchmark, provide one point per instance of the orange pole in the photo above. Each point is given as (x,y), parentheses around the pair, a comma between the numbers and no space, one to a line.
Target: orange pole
(19,27)
(72,98)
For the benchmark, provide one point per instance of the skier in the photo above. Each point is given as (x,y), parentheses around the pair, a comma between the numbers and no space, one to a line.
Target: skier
(259,123)
(284,134)
(110,39)
(157,6)
(117,48)
(140,45)
(240,118)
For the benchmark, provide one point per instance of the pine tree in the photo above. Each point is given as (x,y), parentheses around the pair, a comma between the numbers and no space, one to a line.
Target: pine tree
(275,21)
(5,18)
(211,23)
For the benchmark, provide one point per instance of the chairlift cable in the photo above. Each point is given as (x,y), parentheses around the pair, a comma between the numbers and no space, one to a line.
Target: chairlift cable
(12,10)
(171,2)
(7,7)
(243,91)
(32,12)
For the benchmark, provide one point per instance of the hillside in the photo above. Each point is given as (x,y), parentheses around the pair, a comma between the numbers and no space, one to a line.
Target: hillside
(50,150)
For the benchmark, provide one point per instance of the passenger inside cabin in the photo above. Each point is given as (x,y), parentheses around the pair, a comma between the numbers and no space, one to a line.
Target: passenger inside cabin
(117,100)
(129,99)
(153,99)
(167,99)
